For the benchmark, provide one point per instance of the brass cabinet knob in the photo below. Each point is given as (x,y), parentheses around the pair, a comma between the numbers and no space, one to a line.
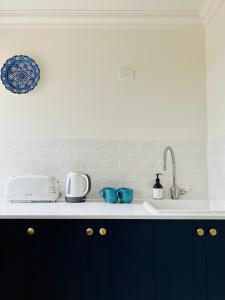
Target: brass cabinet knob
(30,231)
(89,231)
(213,232)
(200,232)
(102,231)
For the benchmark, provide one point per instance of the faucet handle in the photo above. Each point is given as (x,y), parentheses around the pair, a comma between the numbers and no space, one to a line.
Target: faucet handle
(183,191)
(175,191)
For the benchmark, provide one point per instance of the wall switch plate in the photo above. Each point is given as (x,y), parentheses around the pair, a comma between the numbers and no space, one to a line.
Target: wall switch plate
(125,74)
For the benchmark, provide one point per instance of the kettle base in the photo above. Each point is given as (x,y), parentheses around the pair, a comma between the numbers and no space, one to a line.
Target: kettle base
(75,199)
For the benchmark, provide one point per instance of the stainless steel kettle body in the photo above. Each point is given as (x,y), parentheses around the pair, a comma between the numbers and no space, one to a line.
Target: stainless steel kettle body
(78,185)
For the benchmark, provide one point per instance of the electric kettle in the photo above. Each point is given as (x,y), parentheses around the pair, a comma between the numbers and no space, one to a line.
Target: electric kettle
(78,185)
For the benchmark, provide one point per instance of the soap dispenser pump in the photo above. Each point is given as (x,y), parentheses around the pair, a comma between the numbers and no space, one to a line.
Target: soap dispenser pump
(157,188)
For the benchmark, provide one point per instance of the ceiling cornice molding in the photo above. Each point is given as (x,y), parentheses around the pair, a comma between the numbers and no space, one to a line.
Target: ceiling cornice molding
(92,18)
(209,9)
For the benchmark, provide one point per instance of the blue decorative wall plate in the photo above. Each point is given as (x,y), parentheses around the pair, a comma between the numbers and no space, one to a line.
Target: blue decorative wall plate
(20,74)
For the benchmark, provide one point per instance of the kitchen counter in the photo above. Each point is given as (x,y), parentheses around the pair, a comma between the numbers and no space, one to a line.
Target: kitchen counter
(102,210)
(64,210)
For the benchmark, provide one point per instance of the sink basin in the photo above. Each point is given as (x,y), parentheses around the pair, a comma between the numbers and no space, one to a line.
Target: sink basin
(184,206)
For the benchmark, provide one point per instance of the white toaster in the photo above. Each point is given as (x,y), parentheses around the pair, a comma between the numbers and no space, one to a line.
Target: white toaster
(32,188)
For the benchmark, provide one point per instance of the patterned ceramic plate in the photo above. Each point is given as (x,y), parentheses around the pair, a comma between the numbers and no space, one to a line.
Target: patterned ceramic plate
(20,74)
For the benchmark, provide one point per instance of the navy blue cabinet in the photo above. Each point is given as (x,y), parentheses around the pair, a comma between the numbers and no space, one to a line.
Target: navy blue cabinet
(215,259)
(73,257)
(104,259)
(180,260)
(112,259)
(124,260)
(190,260)
(25,259)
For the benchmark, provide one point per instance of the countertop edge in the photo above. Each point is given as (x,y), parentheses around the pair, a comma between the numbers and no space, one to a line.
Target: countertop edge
(88,217)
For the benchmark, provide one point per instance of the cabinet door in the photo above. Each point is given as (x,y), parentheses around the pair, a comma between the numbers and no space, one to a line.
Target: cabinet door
(124,260)
(2,258)
(26,260)
(180,261)
(216,261)
(73,260)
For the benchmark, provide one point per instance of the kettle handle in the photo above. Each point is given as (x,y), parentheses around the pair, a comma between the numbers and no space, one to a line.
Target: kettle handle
(88,180)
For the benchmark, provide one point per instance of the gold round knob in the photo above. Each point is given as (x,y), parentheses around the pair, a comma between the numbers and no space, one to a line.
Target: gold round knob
(102,231)
(30,231)
(213,232)
(200,232)
(89,231)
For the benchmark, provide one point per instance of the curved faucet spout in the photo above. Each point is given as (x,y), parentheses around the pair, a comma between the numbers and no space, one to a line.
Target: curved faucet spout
(174,190)
(170,149)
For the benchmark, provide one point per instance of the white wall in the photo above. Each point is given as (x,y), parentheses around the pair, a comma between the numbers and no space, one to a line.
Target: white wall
(81,117)
(79,95)
(215,47)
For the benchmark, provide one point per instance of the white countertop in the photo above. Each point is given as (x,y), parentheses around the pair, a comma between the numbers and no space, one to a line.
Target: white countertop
(64,210)
(102,210)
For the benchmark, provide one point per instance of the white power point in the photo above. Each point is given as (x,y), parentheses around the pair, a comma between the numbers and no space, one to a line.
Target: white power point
(125,74)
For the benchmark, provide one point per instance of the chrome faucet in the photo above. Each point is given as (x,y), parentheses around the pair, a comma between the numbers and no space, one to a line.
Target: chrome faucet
(175,191)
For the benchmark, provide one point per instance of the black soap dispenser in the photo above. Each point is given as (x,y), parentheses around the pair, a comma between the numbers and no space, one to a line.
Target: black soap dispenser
(157,188)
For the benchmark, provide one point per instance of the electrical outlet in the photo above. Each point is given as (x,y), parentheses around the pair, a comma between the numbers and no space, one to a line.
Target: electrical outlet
(125,74)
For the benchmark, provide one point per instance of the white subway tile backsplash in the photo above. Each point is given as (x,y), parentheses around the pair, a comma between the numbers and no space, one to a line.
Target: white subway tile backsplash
(144,155)
(29,165)
(216,168)
(109,182)
(110,145)
(144,185)
(8,145)
(109,155)
(16,154)
(30,145)
(52,165)
(62,154)
(196,194)
(192,165)
(113,163)
(101,174)
(81,155)
(192,175)
(39,154)
(90,165)
(174,144)
(190,146)
(70,165)
(129,145)
(62,144)
(149,145)
(191,155)
(10,164)
(143,194)
(109,164)
(91,145)
(135,165)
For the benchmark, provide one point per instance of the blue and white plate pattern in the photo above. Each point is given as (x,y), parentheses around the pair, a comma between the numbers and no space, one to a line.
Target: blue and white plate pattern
(20,74)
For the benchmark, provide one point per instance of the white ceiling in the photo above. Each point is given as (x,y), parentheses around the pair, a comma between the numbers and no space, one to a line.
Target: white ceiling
(160,5)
